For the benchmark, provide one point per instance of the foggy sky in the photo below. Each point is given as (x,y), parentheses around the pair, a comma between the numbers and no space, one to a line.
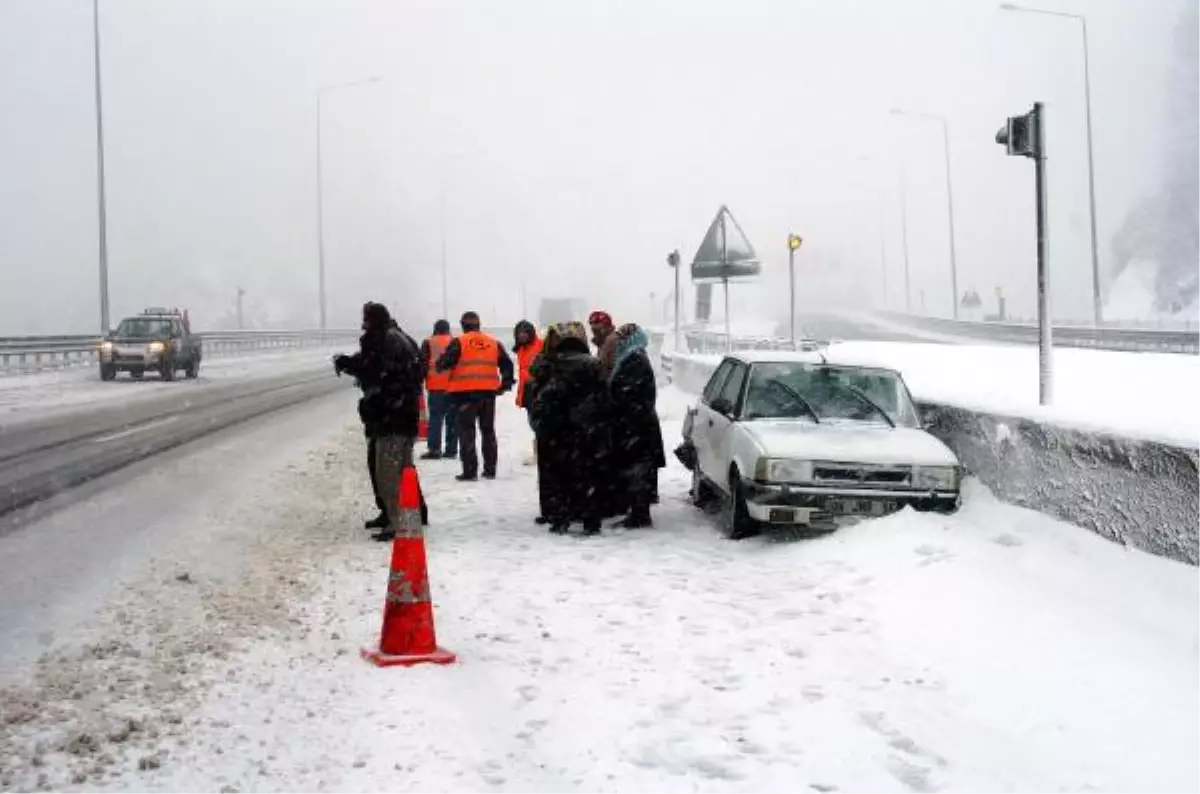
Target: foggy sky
(575,145)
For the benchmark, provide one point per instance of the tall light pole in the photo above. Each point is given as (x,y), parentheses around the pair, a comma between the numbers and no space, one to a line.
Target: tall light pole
(102,213)
(321,92)
(1097,305)
(949,197)
(904,238)
(445,278)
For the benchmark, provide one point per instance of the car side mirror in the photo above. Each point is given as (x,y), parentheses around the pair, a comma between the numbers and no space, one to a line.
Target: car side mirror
(722,406)
(927,416)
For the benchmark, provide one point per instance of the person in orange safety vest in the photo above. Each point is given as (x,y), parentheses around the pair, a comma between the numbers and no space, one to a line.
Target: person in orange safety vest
(528,346)
(437,385)
(479,369)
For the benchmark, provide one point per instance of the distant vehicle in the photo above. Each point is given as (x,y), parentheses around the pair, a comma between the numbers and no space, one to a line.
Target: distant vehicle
(561,310)
(157,340)
(794,439)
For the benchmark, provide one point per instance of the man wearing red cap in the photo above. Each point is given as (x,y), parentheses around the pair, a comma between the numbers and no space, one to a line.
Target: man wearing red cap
(604,337)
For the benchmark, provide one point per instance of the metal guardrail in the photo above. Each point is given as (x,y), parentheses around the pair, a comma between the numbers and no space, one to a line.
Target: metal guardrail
(33,353)
(1145,340)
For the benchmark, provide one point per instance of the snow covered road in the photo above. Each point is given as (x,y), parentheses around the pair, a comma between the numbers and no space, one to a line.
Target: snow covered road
(991,650)
(57,392)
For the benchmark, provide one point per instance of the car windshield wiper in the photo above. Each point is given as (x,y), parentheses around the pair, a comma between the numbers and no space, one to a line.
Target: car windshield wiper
(866,400)
(795,395)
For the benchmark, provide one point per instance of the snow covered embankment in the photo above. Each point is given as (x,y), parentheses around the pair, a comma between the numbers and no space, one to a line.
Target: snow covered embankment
(1139,493)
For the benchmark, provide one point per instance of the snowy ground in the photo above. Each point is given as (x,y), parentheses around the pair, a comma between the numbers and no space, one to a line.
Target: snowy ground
(22,396)
(991,650)
(1141,395)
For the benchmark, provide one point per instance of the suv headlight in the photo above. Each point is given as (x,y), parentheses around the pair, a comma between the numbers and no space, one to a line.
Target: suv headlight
(783,470)
(156,347)
(935,478)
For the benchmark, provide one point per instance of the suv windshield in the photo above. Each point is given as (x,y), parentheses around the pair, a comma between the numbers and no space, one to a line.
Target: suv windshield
(828,392)
(148,327)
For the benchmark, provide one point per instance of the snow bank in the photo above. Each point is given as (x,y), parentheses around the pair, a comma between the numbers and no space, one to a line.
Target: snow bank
(1146,396)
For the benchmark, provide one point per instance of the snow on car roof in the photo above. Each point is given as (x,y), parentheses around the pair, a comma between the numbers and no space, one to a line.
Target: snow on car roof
(829,355)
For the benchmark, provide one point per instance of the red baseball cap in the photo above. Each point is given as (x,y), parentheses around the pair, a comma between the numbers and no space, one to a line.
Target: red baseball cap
(600,318)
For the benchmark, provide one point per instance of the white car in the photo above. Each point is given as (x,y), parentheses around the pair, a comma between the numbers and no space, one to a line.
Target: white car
(795,439)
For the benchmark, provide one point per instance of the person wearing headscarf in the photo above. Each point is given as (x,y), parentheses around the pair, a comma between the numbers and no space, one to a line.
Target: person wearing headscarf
(569,412)
(604,337)
(635,432)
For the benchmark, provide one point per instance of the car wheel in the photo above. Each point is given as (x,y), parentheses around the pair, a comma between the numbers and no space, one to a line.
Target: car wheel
(107,372)
(736,521)
(168,370)
(137,374)
(701,492)
(193,368)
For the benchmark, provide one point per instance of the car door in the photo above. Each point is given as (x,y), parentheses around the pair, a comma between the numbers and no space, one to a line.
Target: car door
(721,424)
(702,422)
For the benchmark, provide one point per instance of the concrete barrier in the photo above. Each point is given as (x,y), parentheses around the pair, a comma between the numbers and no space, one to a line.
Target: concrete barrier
(1141,494)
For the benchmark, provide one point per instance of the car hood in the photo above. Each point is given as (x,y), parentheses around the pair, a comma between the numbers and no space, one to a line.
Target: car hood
(849,442)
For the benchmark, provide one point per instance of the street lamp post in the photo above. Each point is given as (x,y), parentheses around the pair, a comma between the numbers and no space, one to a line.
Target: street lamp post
(794,241)
(321,92)
(1097,305)
(904,238)
(102,212)
(673,263)
(949,197)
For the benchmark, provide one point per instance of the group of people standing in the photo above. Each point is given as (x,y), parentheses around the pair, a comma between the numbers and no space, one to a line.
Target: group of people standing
(598,444)
(597,435)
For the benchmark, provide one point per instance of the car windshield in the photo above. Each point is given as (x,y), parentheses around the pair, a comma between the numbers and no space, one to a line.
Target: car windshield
(144,327)
(828,393)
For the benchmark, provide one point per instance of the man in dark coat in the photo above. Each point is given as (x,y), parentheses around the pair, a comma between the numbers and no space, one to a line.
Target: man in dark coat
(387,368)
(569,413)
(636,434)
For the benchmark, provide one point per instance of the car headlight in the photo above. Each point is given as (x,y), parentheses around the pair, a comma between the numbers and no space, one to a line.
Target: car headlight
(783,470)
(156,347)
(935,478)
(106,346)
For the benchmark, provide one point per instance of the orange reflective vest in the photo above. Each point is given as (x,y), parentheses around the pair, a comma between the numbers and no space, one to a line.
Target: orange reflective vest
(478,367)
(525,358)
(434,380)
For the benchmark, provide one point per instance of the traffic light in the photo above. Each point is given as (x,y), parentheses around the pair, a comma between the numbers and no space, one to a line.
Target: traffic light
(1019,135)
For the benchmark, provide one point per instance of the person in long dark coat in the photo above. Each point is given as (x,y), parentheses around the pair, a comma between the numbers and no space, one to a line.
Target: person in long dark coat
(635,432)
(569,413)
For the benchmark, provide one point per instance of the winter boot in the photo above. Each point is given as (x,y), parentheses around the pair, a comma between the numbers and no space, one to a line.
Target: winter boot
(560,527)
(432,454)
(383,536)
(591,526)
(541,520)
(378,522)
(466,477)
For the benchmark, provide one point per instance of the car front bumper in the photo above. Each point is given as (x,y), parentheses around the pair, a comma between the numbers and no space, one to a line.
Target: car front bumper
(819,505)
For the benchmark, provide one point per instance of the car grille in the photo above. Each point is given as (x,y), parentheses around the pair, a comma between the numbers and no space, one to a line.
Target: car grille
(861,475)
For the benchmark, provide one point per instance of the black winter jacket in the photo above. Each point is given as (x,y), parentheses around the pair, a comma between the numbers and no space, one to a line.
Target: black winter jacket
(636,431)
(388,370)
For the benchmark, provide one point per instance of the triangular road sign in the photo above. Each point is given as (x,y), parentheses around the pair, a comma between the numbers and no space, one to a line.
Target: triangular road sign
(725,252)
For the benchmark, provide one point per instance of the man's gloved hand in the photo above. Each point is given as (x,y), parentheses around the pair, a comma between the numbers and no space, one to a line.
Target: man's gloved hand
(339,363)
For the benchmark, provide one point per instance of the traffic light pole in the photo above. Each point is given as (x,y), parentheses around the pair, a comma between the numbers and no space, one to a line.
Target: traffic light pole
(792,292)
(1045,342)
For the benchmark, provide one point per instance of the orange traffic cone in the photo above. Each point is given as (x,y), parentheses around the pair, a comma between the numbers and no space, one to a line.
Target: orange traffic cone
(423,421)
(408,636)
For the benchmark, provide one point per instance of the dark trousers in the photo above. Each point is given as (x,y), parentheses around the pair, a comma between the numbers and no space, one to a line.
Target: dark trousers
(373,468)
(483,411)
(372,460)
(441,412)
